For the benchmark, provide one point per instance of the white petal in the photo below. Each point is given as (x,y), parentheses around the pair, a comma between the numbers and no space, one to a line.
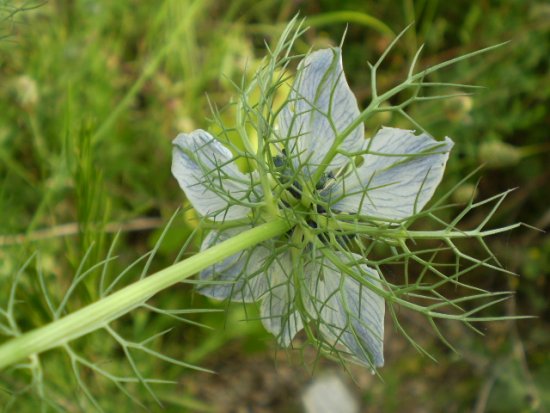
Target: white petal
(320,107)
(348,313)
(205,170)
(398,177)
(241,277)
(278,310)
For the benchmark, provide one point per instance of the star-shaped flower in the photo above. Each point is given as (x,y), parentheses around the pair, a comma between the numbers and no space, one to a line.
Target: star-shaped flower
(312,277)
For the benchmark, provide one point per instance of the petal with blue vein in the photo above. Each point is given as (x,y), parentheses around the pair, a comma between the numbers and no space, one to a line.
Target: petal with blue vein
(348,313)
(320,107)
(398,177)
(278,310)
(205,170)
(240,277)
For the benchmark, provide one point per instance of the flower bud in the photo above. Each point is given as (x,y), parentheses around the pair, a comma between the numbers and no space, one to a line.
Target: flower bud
(26,92)
(458,108)
(496,154)
(382,117)
(184,123)
(464,193)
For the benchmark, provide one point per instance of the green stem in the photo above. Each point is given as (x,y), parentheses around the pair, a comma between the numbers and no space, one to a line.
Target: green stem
(401,233)
(100,313)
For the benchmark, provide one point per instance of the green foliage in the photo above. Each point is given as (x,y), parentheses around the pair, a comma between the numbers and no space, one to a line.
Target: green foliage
(93,92)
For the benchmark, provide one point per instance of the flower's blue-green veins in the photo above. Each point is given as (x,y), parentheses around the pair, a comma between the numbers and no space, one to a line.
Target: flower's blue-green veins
(310,276)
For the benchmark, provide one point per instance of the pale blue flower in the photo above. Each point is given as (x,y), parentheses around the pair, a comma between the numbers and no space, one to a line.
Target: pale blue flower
(398,175)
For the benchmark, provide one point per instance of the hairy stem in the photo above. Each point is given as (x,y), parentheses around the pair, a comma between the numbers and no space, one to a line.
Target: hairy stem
(98,314)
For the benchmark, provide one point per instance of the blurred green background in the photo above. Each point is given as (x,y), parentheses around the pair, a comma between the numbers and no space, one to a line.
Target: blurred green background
(91,94)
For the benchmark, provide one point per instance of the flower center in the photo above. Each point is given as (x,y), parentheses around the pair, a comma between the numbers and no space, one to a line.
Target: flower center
(304,204)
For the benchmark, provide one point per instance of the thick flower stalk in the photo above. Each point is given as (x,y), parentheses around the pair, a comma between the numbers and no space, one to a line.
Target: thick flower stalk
(319,172)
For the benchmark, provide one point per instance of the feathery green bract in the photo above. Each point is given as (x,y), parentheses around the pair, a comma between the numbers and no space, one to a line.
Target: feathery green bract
(344,198)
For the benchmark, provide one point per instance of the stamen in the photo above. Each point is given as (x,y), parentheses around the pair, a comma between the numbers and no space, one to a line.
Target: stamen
(279,161)
(324,180)
(296,190)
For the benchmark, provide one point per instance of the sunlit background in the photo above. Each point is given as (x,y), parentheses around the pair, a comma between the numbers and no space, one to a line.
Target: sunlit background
(93,92)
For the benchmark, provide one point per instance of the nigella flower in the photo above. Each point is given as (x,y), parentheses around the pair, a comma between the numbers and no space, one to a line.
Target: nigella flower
(323,170)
